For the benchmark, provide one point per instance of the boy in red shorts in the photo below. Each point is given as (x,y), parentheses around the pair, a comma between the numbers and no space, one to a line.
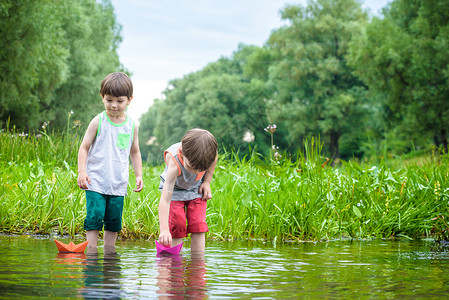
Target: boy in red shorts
(185,185)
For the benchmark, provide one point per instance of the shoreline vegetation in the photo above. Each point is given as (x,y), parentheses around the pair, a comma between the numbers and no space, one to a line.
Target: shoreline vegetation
(278,199)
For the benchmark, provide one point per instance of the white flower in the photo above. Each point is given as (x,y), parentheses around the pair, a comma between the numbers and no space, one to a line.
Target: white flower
(248,137)
(271,128)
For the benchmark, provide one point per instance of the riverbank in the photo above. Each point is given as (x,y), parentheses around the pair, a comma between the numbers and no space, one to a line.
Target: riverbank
(253,198)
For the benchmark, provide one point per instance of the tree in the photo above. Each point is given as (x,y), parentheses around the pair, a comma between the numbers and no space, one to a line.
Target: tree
(54,55)
(152,150)
(315,92)
(217,98)
(92,37)
(33,59)
(404,57)
(227,106)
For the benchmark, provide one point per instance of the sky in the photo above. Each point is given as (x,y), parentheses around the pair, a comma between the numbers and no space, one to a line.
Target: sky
(165,40)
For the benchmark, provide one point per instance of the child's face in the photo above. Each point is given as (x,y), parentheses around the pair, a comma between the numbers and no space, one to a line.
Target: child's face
(115,106)
(188,167)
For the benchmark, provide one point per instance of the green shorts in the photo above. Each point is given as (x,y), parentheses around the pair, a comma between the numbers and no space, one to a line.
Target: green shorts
(103,210)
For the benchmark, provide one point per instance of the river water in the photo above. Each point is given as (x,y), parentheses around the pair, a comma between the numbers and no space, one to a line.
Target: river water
(32,268)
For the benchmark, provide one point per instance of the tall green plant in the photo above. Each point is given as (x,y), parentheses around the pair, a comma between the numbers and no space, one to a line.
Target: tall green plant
(298,199)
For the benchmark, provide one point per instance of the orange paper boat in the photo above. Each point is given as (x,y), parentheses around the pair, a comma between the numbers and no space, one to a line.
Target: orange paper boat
(71,247)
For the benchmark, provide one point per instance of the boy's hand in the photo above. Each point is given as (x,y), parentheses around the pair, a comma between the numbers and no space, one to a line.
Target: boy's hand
(205,190)
(139,184)
(83,180)
(165,238)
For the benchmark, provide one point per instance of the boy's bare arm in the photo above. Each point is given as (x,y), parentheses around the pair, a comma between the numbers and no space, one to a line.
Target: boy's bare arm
(165,237)
(136,160)
(204,188)
(91,132)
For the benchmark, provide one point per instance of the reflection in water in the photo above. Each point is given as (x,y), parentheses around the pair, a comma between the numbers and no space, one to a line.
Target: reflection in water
(74,262)
(31,269)
(180,278)
(70,258)
(101,278)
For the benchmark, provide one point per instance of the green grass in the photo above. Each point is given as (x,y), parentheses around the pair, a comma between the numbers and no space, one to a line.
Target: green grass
(253,197)
(305,201)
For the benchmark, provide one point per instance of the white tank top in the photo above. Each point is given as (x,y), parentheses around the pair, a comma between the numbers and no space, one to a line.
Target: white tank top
(108,156)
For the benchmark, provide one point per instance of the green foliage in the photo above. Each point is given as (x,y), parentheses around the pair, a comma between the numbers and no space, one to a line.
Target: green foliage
(300,80)
(404,57)
(54,56)
(33,60)
(37,175)
(315,91)
(319,202)
(305,199)
(93,38)
(52,148)
(218,98)
(370,88)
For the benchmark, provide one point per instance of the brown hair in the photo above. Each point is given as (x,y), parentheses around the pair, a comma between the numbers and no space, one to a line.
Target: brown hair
(117,84)
(199,146)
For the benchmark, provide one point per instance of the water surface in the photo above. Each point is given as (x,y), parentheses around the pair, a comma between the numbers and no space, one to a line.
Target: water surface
(31,267)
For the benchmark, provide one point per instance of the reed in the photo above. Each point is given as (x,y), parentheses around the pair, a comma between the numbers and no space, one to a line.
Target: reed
(309,200)
(277,198)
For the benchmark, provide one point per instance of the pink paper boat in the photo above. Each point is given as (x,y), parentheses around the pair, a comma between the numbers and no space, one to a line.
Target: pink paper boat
(168,250)
(71,247)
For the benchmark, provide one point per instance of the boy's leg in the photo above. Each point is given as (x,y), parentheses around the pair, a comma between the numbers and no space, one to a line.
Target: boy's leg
(95,208)
(92,237)
(198,242)
(109,238)
(176,241)
(113,219)
(196,224)
(177,222)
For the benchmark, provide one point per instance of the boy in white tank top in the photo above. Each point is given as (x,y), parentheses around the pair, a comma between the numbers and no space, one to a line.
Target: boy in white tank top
(103,160)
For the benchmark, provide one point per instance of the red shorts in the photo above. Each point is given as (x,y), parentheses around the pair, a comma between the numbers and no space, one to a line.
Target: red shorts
(192,211)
